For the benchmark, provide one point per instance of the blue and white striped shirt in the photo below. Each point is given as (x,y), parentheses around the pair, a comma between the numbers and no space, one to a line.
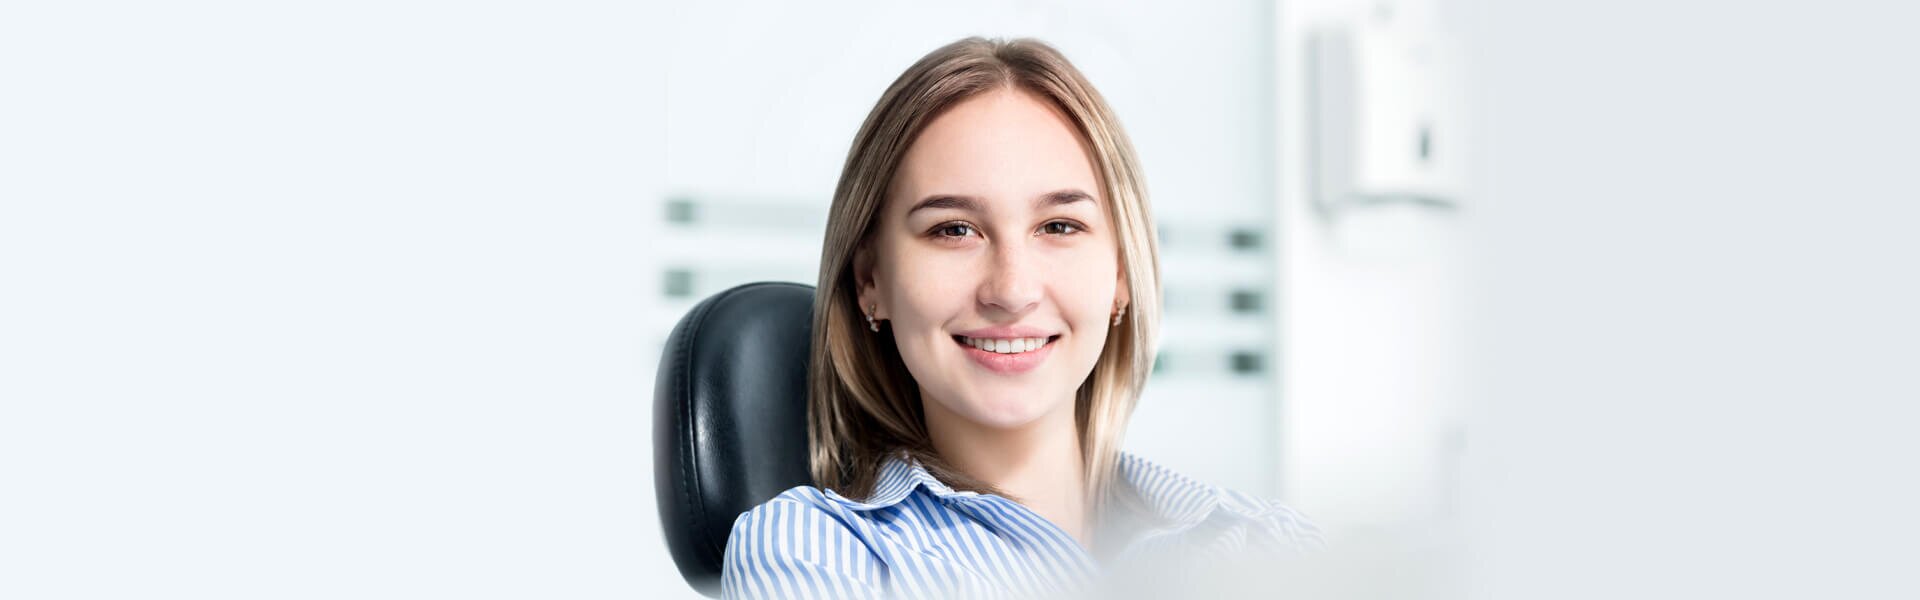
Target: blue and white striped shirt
(916,537)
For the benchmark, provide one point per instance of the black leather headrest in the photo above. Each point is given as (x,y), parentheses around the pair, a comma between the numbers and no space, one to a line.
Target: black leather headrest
(729,417)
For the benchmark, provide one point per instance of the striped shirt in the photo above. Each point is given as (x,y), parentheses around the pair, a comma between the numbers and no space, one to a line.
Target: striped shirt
(916,537)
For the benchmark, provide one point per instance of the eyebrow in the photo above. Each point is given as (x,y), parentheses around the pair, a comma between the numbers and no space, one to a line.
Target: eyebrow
(972,204)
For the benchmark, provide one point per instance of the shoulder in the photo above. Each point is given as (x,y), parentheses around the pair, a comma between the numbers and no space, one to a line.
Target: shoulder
(800,509)
(799,495)
(801,543)
(809,502)
(1275,523)
(1212,510)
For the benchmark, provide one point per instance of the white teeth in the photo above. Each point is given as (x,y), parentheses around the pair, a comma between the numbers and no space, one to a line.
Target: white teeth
(1006,346)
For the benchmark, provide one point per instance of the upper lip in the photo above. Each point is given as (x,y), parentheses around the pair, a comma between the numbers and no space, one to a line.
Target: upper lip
(1004,332)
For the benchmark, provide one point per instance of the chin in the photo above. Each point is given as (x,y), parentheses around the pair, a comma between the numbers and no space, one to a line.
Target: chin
(1011,408)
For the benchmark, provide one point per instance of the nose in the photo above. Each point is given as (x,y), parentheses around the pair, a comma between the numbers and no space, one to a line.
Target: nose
(1014,281)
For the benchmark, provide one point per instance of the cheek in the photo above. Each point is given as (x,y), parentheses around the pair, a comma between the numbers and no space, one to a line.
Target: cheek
(927,295)
(1089,288)
(927,291)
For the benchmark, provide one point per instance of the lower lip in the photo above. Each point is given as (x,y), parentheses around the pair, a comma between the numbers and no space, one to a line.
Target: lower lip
(1008,364)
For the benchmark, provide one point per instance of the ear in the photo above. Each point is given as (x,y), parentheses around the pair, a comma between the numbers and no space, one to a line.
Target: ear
(866,287)
(1122,293)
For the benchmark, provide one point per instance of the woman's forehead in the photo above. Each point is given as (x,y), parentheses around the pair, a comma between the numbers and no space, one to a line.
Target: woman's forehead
(998,147)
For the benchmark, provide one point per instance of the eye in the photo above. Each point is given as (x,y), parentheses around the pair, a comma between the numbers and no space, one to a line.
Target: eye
(1060,228)
(953,230)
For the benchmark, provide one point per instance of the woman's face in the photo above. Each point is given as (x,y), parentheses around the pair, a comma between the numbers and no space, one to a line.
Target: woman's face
(995,263)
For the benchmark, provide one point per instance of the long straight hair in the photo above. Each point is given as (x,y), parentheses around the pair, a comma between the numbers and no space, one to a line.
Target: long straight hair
(863,404)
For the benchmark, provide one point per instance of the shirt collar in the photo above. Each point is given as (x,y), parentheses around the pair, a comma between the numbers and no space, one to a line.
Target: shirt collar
(1169,497)
(899,476)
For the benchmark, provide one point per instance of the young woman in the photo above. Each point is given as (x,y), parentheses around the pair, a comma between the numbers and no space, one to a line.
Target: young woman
(985,319)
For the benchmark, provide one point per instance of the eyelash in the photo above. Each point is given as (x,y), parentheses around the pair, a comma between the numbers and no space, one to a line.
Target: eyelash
(939,229)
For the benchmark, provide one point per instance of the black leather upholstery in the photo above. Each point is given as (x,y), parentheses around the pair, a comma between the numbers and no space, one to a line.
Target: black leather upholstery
(729,417)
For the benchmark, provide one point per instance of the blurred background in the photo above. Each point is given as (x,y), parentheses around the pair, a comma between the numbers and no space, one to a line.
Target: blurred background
(1513,299)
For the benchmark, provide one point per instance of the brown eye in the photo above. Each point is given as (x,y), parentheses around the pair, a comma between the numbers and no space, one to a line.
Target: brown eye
(954,230)
(1059,228)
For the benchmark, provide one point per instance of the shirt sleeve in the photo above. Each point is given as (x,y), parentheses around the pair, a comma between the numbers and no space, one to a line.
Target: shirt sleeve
(788,549)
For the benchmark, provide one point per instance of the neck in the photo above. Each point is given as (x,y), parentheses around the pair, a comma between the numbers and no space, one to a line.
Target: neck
(1039,465)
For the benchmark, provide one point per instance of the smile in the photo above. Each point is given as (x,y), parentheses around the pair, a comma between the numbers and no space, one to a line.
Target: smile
(1005,345)
(1007,355)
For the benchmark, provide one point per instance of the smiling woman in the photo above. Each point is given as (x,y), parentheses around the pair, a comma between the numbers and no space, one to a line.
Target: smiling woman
(985,319)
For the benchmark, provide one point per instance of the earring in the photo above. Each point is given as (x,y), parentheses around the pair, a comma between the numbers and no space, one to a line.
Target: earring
(870,324)
(1116,316)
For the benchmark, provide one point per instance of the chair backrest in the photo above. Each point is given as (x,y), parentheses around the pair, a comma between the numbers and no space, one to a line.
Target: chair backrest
(729,417)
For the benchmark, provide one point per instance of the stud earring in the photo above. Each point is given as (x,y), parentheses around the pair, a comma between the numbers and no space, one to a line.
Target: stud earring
(870,323)
(1116,316)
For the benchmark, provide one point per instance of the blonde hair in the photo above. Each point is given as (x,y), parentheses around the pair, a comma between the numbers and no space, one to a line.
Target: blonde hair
(863,403)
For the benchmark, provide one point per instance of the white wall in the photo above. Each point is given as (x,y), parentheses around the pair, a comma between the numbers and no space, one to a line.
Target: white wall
(1372,343)
(331,300)
(1695,344)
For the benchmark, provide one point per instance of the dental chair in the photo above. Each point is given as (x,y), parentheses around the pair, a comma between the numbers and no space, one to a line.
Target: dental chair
(729,417)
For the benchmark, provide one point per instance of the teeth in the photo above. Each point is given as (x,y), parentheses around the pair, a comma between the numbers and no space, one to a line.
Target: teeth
(1006,346)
